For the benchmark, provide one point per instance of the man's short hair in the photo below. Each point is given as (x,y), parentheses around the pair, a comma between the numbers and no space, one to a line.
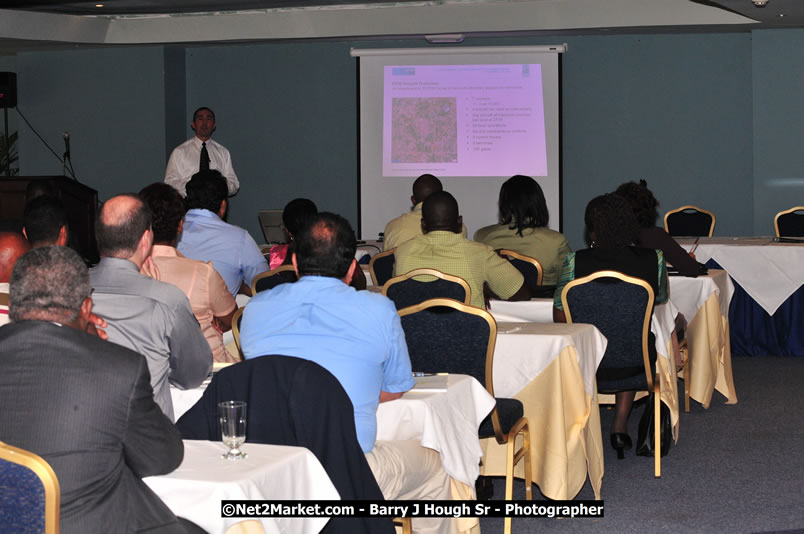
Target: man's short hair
(121,237)
(43,219)
(167,209)
(203,108)
(48,283)
(206,190)
(326,246)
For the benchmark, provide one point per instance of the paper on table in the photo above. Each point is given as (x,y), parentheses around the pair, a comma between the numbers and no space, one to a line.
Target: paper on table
(431,383)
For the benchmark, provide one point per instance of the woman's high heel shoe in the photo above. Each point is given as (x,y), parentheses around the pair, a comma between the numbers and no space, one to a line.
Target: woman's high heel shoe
(621,441)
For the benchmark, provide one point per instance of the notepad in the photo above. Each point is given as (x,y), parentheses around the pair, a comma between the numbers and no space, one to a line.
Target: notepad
(431,383)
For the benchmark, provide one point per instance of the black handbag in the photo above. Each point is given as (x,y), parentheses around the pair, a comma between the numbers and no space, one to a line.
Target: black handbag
(645,433)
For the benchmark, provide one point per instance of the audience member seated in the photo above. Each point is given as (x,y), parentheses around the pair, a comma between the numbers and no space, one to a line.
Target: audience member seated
(207,237)
(409,225)
(442,247)
(45,222)
(613,229)
(358,337)
(298,213)
(12,246)
(148,316)
(83,404)
(210,300)
(644,205)
(523,227)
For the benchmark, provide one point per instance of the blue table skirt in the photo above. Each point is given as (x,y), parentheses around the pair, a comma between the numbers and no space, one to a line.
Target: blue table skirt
(755,333)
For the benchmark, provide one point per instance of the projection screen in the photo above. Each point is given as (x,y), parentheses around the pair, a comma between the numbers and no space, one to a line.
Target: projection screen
(472,116)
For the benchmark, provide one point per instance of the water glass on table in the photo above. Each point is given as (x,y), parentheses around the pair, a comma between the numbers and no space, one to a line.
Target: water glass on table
(232,416)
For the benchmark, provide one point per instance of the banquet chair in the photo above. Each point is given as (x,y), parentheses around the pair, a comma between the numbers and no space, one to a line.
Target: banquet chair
(381,267)
(269,280)
(445,335)
(236,318)
(29,493)
(296,402)
(405,291)
(790,223)
(620,306)
(530,268)
(689,221)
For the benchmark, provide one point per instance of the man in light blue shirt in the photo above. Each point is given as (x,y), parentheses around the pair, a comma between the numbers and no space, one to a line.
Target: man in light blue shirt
(207,237)
(358,337)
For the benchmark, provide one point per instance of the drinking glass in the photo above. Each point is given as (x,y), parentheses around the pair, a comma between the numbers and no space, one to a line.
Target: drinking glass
(232,416)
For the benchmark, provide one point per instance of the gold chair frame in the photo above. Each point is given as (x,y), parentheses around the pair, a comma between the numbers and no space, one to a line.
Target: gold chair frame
(236,330)
(45,474)
(653,385)
(430,272)
(781,213)
(513,455)
(373,259)
(691,207)
(684,349)
(272,272)
(405,523)
(516,255)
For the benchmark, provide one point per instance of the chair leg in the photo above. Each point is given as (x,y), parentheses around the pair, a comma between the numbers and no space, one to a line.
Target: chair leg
(687,363)
(657,433)
(512,457)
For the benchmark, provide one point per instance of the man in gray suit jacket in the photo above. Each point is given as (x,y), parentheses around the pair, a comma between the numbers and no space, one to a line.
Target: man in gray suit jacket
(145,315)
(85,405)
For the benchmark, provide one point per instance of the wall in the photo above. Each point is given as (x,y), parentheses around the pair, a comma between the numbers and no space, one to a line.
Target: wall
(778,89)
(673,109)
(111,101)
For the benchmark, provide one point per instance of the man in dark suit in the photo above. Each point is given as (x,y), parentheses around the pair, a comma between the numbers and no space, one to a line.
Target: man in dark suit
(85,405)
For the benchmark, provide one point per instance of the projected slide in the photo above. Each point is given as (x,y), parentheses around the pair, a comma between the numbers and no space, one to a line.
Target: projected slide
(463,120)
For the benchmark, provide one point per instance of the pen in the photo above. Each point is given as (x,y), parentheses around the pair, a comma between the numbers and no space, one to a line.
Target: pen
(695,245)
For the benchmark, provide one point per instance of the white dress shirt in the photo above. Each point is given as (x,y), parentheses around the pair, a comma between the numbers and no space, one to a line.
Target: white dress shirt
(183,164)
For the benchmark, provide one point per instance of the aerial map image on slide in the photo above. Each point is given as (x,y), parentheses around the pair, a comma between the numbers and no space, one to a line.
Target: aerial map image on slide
(425,130)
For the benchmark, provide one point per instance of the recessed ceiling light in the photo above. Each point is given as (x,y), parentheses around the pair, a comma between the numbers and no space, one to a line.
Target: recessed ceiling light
(98,5)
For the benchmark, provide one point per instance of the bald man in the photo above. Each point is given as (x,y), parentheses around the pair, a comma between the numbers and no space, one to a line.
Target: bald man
(143,314)
(12,246)
(409,225)
(441,246)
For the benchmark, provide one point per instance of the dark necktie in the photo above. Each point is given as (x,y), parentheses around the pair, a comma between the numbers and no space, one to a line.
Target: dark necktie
(203,164)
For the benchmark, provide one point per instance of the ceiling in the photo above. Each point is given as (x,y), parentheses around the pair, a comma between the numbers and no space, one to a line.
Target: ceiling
(33,24)
(776,14)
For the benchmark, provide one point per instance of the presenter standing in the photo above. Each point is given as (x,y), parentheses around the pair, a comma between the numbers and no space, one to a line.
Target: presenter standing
(200,153)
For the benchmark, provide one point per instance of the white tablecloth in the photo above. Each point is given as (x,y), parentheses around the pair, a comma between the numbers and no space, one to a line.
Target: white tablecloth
(443,413)
(270,472)
(524,350)
(688,295)
(770,272)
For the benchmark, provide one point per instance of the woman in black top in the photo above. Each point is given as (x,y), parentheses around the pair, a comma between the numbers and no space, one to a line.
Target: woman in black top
(644,205)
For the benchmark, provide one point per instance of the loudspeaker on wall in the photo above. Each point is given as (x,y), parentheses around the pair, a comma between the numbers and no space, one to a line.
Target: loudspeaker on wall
(8,90)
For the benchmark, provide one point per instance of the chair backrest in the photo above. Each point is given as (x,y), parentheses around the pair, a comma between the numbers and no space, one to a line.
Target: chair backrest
(269,280)
(405,291)
(447,336)
(689,221)
(236,318)
(620,306)
(293,401)
(530,268)
(381,267)
(29,493)
(790,223)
